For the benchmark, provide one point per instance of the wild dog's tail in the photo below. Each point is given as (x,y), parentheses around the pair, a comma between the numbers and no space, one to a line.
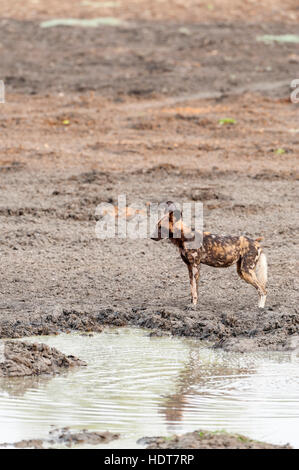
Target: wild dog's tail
(262,269)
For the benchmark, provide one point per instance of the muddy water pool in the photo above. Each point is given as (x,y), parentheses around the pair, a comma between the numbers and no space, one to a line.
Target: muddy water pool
(139,386)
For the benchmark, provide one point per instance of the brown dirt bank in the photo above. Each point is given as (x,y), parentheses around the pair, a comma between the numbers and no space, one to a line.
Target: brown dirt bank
(23,359)
(208,440)
(243,330)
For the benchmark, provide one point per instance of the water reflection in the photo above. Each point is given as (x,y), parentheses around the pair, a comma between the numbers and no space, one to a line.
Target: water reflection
(18,386)
(191,379)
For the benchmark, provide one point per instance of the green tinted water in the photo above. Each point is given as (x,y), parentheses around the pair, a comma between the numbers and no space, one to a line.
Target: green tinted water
(283,38)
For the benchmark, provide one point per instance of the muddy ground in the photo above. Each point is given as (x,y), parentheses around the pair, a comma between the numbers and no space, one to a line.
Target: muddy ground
(191,440)
(135,109)
(207,440)
(65,437)
(20,359)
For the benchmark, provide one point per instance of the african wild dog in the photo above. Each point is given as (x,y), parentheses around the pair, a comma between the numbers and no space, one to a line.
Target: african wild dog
(214,250)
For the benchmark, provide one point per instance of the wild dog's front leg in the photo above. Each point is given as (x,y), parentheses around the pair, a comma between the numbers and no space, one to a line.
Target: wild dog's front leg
(193,270)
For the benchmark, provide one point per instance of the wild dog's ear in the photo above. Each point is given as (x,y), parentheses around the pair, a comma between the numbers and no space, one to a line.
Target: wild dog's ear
(173,210)
(163,228)
(169,207)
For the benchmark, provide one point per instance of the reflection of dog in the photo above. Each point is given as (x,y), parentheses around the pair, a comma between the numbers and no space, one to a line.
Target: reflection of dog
(215,250)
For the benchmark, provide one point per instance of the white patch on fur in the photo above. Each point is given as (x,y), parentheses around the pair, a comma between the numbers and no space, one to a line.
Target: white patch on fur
(262,301)
(194,286)
(262,269)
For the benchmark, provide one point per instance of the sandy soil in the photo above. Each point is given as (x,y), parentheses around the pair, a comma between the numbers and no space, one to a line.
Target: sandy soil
(92,113)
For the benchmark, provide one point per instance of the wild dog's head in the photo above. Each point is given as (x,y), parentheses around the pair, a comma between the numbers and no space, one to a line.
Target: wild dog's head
(171,225)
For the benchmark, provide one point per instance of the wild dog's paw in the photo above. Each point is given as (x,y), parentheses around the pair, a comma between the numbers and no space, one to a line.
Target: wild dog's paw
(190,307)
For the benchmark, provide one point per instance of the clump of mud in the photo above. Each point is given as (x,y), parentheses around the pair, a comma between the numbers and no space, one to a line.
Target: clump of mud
(22,359)
(26,444)
(207,440)
(66,437)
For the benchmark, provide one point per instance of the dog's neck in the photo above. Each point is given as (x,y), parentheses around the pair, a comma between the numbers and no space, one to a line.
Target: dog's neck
(178,242)
(187,239)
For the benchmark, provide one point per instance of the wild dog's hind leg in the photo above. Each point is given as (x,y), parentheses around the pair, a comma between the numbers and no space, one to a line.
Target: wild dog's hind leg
(239,267)
(193,270)
(262,273)
(246,270)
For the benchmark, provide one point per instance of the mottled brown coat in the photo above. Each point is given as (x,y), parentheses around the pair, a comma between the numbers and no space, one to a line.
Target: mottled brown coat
(214,250)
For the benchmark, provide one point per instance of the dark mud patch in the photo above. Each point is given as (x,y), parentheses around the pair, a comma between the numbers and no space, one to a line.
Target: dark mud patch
(66,437)
(69,438)
(207,440)
(23,359)
(143,59)
(50,324)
